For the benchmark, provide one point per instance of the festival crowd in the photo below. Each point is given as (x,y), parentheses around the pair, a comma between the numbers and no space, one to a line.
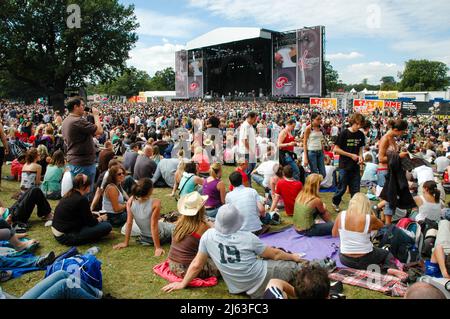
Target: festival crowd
(388,175)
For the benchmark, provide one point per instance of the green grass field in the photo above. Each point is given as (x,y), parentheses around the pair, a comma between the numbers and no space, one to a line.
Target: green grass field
(128,273)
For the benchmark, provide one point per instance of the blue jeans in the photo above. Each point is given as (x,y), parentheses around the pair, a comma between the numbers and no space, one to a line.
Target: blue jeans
(212,212)
(323,229)
(350,178)
(288,160)
(18,262)
(316,162)
(381,178)
(258,179)
(89,170)
(60,285)
(250,168)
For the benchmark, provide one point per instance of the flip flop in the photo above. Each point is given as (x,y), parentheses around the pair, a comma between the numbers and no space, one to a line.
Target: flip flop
(31,247)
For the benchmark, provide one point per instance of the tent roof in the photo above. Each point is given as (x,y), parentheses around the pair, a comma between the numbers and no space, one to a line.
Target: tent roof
(226,35)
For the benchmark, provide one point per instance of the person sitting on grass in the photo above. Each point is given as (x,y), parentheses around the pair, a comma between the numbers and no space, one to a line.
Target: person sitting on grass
(241,169)
(16,168)
(423,290)
(146,212)
(354,227)
(247,201)
(330,177)
(214,188)
(114,197)
(51,186)
(244,261)
(309,206)
(186,236)
(74,224)
(31,171)
(189,181)
(439,264)
(369,177)
(287,189)
(311,282)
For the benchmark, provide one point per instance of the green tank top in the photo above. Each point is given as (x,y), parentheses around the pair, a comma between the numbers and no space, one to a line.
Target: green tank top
(187,185)
(303,218)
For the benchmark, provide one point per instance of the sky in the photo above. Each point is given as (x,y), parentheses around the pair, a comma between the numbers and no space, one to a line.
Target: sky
(364,38)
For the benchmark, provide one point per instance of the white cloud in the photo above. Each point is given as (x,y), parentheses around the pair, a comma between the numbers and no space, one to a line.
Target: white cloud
(366,18)
(372,71)
(344,56)
(156,24)
(425,49)
(154,58)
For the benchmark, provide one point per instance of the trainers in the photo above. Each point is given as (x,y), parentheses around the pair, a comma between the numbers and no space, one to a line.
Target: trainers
(336,208)
(5,275)
(336,287)
(46,260)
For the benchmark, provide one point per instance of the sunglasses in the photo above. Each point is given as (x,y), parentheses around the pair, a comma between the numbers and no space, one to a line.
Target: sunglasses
(120,174)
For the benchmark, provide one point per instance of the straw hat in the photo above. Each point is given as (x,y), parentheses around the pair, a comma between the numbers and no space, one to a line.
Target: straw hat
(208,142)
(191,203)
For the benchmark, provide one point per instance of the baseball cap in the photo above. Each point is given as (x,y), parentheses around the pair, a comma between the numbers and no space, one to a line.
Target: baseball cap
(228,220)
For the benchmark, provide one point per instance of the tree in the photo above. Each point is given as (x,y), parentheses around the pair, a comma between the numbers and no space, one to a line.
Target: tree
(331,77)
(130,83)
(163,80)
(388,83)
(39,46)
(424,75)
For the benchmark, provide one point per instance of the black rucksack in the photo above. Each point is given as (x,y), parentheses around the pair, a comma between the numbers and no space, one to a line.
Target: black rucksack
(398,242)
(429,231)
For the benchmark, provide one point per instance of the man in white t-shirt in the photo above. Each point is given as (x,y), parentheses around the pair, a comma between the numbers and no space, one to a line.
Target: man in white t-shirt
(442,162)
(423,174)
(247,142)
(264,172)
(235,253)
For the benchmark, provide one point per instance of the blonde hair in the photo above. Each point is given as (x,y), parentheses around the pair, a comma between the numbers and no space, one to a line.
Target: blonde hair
(186,225)
(214,170)
(310,189)
(359,204)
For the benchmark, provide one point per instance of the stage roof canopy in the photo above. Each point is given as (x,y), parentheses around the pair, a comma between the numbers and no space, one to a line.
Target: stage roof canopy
(226,35)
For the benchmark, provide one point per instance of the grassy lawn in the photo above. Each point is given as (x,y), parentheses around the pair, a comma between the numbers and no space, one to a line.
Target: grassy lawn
(128,273)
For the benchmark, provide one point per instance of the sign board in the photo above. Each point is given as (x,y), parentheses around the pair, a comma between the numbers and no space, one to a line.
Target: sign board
(328,104)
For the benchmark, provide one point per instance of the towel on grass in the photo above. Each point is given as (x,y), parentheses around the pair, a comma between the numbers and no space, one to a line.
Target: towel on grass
(386,284)
(314,247)
(163,270)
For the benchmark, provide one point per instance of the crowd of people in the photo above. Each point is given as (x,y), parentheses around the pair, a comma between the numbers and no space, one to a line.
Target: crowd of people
(101,162)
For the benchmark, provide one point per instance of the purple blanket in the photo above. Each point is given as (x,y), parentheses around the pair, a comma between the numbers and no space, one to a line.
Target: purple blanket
(313,247)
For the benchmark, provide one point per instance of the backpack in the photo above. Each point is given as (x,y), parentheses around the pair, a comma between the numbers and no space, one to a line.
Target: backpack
(84,267)
(398,242)
(429,231)
(414,229)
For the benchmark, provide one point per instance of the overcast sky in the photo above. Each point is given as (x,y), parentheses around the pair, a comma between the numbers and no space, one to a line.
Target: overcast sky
(364,38)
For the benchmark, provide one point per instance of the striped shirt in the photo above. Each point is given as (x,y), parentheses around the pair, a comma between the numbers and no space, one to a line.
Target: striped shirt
(245,200)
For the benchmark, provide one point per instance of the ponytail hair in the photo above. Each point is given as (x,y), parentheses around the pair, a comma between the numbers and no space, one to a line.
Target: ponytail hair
(431,188)
(214,170)
(398,124)
(142,188)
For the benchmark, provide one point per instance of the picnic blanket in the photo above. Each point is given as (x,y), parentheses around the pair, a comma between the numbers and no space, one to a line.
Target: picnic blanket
(328,190)
(386,284)
(314,247)
(163,271)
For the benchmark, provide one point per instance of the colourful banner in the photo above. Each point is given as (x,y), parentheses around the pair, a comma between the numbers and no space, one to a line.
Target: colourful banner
(309,61)
(324,103)
(388,95)
(284,76)
(367,106)
(392,105)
